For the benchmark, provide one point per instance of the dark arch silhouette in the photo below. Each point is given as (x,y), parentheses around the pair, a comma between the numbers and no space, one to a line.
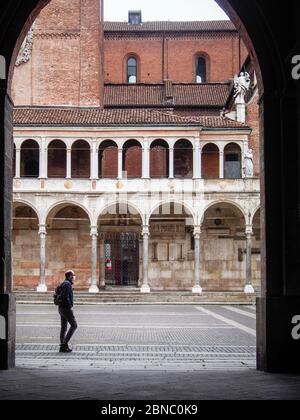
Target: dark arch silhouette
(271,49)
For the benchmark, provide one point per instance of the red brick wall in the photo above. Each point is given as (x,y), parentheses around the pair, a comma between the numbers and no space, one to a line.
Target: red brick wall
(133,162)
(109,163)
(65,67)
(158,162)
(225,52)
(210,162)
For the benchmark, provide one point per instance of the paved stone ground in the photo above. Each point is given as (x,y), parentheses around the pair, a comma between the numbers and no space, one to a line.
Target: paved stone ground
(142,353)
(141,337)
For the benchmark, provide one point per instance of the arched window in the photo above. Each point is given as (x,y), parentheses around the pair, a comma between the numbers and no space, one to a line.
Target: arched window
(132,159)
(159,159)
(30,159)
(232,164)
(57,159)
(81,159)
(201,70)
(210,162)
(132,70)
(108,160)
(183,159)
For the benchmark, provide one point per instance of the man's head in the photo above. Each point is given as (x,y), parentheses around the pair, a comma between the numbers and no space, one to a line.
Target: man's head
(70,275)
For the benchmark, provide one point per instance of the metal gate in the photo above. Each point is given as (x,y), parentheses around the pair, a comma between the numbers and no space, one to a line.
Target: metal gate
(122,259)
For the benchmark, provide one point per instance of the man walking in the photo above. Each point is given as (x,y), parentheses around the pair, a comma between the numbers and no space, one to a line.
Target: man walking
(66,312)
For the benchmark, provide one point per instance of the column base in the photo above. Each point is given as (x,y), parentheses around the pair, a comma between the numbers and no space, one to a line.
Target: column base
(7,331)
(42,288)
(145,289)
(94,289)
(249,290)
(197,290)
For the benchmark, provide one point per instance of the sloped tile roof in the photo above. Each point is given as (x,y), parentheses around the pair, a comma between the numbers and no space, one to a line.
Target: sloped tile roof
(200,95)
(197,26)
(96,117)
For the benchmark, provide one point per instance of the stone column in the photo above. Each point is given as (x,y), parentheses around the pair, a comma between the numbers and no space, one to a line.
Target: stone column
(102,264)
(171,163)
(18,162)
(145,234)
(69,163)
(146,160)
(42,288)
(43,173)
(197,289)
(120,163)
(94,235)
(196,152)
(94,161)
(221,156)
(249,289)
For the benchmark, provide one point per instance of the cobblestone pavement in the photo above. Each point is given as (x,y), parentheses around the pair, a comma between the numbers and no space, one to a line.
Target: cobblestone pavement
(142,353)
(176,338)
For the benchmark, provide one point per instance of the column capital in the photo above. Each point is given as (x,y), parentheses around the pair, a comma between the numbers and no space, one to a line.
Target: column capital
(42,230)
(197,231)
(94,231)
(146,230)
(249,230)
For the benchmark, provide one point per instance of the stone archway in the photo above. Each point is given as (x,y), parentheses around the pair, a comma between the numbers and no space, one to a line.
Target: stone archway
(271,49)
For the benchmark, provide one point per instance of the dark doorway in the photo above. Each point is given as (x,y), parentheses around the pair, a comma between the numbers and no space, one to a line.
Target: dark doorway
(122,259)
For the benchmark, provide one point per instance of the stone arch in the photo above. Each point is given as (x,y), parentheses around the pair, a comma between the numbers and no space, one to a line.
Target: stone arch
(30,159)
(210,161)
(183,159)
(63,204)
(108,159)
(261,33)
(166,203)
(255,213)
(232,161)
(227,202)
(132,158)
(124,204)
(57,159)
(81,159)
(159,159)
(22,202)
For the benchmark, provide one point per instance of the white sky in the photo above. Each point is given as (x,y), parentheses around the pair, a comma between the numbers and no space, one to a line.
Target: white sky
(177,10)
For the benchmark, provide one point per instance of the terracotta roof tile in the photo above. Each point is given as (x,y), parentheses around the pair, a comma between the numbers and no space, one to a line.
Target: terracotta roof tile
(197,26)
(200,95)
(43,116)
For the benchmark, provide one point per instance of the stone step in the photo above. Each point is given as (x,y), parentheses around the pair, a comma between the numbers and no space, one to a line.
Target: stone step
(137,297)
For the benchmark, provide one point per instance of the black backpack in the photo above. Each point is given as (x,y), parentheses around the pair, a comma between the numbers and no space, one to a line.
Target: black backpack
(58,297)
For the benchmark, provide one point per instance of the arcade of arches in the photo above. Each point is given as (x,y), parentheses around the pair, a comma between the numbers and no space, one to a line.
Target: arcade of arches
(123,249)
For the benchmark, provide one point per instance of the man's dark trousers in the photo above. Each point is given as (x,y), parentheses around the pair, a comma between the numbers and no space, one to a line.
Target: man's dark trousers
(67,316)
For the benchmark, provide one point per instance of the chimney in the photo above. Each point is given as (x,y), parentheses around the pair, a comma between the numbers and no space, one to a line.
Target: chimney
(135,17)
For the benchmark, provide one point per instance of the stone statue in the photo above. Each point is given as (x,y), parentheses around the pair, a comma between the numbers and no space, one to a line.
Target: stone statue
(249,167)
(26,49)
(241,86)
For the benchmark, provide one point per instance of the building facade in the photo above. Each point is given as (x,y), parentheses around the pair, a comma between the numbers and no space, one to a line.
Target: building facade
(130,161)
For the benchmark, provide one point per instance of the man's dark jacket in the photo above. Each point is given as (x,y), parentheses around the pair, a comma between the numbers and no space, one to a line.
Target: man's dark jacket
(66,292)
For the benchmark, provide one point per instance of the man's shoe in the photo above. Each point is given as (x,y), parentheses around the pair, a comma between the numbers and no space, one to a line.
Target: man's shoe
(65,349)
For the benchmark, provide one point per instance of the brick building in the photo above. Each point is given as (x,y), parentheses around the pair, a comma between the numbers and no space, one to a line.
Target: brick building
(130,154)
